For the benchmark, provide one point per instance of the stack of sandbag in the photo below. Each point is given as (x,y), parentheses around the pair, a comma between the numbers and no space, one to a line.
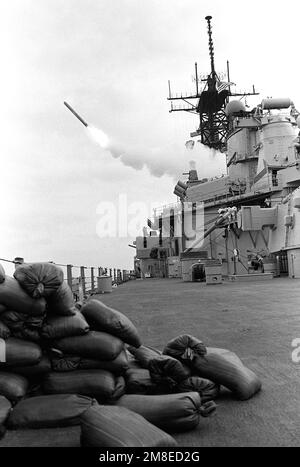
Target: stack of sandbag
(221,366)
(93,364)
(83,361)
(20,318)
(153,373)
(36,306)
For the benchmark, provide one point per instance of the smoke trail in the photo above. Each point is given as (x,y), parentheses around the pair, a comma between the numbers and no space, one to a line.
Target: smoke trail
(171,160)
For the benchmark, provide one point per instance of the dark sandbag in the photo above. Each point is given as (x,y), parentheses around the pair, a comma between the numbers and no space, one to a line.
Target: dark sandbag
(23,326)
(207,389)
(49,411)
(70,363)
(13,387)
(144,354)
(100,384)
(56,327)
(167,370)
(117,366)
(138,381)
(96,345)
(2,308)
(185,348)
(28,334)
(225,368)
(111,426)
(2,274)
(62,302)
(39,279)
(39,369)
(19,352)
(17,321)
(170,412)
(5,408)
(4,331)
(13,297)
(103,318)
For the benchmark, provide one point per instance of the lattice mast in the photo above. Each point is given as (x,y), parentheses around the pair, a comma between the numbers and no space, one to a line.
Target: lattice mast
(212,100)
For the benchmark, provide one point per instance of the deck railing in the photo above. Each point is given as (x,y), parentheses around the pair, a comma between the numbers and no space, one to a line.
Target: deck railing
(84,278)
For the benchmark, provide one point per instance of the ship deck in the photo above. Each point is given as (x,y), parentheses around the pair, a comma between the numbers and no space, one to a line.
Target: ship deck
(257,320)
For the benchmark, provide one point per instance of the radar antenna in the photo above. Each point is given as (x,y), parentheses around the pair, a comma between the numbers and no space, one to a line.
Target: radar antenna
(211,102)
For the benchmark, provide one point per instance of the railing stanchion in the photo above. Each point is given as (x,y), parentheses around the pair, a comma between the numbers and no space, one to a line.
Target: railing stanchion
(82,275)
(92,280)
(69,276)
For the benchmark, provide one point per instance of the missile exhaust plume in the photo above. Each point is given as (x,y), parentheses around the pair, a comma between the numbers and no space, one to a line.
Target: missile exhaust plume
(158,160)
(97,135)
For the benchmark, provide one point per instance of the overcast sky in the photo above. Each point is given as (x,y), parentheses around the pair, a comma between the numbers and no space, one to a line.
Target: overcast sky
(111,61)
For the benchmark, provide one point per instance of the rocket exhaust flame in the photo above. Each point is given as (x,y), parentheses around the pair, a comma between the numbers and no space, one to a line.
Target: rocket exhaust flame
(98,136)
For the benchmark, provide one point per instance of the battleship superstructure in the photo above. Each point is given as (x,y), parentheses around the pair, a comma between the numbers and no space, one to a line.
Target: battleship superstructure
(247,221)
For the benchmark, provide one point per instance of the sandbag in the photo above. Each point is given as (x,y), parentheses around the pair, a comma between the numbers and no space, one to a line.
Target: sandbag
(185,348)
(13,297)
(61,302)
(5,408)
(56,327)
(4,331)
(225,368)
(144,354)
(49,411)
(18,352)
(207,389)
(170,412)
(111,426)
(138,381)
(106,319)
(167,370)
(100,384)
(39,279)
(39,369)
(2,274)
(17,321)
(117,366)
(12,386)
(97,345)
(2,308)
(70,363)
(23,326)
